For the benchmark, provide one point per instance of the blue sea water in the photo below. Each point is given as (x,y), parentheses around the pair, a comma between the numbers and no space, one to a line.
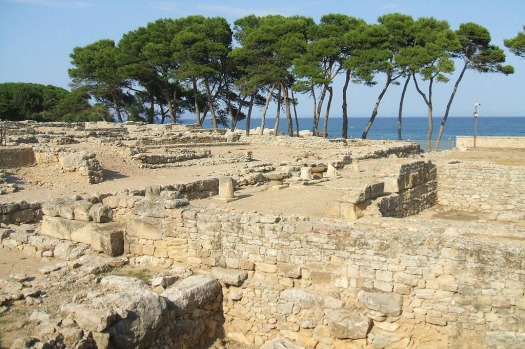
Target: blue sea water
(414,128)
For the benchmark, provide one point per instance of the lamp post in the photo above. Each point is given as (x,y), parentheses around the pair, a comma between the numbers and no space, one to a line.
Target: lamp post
(476,105)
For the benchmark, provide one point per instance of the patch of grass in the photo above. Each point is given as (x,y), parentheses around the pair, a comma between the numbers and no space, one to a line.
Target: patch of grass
(142,274)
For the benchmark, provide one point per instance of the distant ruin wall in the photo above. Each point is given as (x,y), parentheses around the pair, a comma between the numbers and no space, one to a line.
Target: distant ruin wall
(20,212)
(12,157)
(464,142)
(323,285)
(496,191)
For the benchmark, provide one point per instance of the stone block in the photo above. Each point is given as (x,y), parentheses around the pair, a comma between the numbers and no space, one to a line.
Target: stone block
(192,293)
(229,276)
(150,208)
(145,228)
(152,192)
(266,267)
(345,324)
(386,303)
(81,210)
(101,213)
(289,270)
(106,238)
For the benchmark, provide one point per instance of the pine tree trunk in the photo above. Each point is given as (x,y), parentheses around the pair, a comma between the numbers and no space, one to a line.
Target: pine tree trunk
(263,118)
(278,114)
(317,116)
(327,114)
(210,103)
(376,107)
(196,96)
(400,116)
(345,105)
(117,109)
(287,110)
(428,102)
(151,112)
(443,122)
(295,114)
(249,115)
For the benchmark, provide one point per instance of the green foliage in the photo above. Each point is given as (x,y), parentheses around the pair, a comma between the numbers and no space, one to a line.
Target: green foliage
(516,45)
(26,101)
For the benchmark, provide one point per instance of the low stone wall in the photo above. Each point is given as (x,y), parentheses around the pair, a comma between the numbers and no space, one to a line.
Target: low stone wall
(465,142)
(410,189)
(495,191)
(328,285)
(20,212)
(12,157)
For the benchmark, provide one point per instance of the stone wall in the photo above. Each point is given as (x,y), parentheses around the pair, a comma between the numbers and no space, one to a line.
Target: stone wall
(465,142)
(496,192)
(325,285)
(20,212)
(12,157)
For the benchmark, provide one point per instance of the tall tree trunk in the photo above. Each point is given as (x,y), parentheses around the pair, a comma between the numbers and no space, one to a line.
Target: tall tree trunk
(345,105)
(174,115)
(295,113)
(266,105)
(315,123)
(151,112)
(327,113)
(237,114)
(278,114)
(400,115)
(430,112)
(162,114)
(287,110)
(376,107)
(249,116)
(442,126)
(210,103)
(317,116)
(196,96)
(117,109)
(170,105)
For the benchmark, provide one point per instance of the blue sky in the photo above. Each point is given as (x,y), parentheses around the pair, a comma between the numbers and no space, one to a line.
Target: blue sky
(37,36)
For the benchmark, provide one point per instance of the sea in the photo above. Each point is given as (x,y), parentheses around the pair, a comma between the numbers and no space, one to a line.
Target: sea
(414,128)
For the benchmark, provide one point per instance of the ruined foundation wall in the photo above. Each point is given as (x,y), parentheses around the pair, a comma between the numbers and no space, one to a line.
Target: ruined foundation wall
(325,284)
(464,142)
(494,190)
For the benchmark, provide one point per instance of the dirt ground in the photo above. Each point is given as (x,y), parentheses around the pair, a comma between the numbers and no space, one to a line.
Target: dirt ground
(43,182)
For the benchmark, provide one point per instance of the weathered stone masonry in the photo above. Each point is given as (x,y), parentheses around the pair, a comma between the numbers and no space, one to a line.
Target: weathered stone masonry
(498,192)
(459,282)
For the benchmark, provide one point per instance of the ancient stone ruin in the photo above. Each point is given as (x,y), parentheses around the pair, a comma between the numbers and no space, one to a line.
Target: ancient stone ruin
(354,248)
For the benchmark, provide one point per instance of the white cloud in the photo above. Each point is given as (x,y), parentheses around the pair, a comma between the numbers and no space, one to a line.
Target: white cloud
(54,3)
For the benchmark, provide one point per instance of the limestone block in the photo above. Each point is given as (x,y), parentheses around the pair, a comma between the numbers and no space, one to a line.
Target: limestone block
(289,270)
(280,343)
(331,171)
(152,192)
(101,213)
(192,293)
(386,303)
(229,276)
(226,188)
(106,238)
(345,324)
(375,190)
(266,267)
(23,216)
(150,208)
(332,210)
(306,173)
(146,228)
(81,210)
